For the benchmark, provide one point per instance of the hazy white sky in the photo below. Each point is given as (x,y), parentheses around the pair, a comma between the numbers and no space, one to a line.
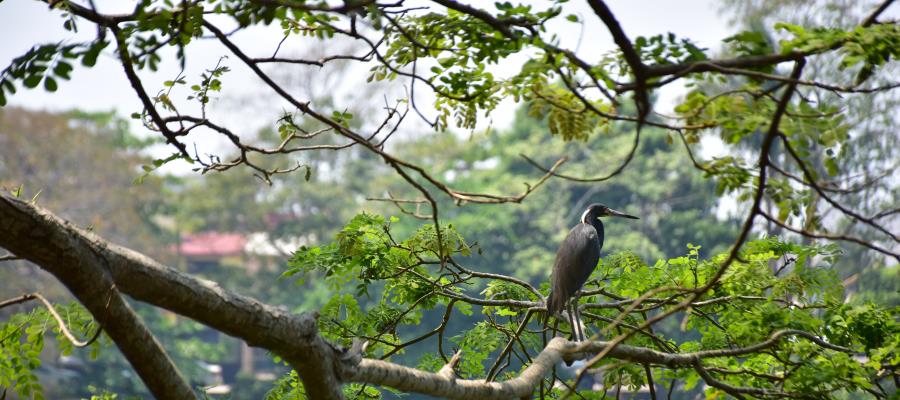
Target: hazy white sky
(24,23)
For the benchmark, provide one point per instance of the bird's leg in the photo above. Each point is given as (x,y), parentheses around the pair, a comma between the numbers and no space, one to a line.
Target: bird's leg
(578,317)
(573,322)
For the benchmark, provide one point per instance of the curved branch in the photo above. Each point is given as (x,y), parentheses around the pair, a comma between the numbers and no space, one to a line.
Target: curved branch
(551,171)
(61,249)
(818,235)
(59,321)
(638,69)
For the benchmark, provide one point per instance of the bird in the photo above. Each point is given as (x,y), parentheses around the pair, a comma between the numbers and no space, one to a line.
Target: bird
(576,259)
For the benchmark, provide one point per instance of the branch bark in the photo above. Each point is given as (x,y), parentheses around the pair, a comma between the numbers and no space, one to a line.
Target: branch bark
(88,266)
(59,248)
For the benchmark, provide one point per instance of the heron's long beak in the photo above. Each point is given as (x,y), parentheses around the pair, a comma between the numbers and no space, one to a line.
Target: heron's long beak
(614,213)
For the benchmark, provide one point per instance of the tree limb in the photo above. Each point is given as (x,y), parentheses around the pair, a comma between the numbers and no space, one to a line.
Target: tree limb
(83,267)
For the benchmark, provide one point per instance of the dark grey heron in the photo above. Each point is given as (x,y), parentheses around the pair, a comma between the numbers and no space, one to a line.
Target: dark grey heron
(575,261)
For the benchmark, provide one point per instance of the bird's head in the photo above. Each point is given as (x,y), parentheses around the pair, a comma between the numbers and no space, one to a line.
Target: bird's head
(597,210)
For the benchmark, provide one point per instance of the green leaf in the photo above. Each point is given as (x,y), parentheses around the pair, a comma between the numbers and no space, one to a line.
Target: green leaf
(50,84)
(62,70)
(32,81)
(90,57)
(503,311)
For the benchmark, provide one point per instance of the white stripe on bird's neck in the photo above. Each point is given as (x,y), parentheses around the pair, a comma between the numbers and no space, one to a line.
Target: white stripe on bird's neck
(585,216)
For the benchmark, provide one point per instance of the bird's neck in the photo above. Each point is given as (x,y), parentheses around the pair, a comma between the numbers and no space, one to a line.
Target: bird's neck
(590,217)
(597,224)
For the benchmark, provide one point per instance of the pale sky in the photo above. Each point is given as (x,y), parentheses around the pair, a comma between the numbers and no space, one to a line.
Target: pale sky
(244,107)
(245,104)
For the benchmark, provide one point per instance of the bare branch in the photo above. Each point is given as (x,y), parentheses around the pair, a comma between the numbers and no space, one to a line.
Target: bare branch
(631,57)
(810,179)
(873,17)
(348,7)
(396,163)
(832,187)
(59,320)
(17,300)
(138,86)
(619,168)
(819,235)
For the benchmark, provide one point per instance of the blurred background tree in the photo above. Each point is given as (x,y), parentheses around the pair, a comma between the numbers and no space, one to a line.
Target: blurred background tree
(869,154)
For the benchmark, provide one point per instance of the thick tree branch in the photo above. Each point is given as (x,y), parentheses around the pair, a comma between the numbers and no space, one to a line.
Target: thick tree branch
(88,265)
(558,349)
(60,248)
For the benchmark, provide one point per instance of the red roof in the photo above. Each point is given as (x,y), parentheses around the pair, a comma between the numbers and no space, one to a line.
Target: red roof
(207,244)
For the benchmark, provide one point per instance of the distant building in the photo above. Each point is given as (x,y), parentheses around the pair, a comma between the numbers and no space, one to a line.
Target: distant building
(199,252)
(206,251)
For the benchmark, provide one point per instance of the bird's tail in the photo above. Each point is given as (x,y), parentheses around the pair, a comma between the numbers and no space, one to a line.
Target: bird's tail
(555,304)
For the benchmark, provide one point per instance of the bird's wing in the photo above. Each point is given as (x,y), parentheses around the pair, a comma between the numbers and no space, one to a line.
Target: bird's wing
(575,260)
